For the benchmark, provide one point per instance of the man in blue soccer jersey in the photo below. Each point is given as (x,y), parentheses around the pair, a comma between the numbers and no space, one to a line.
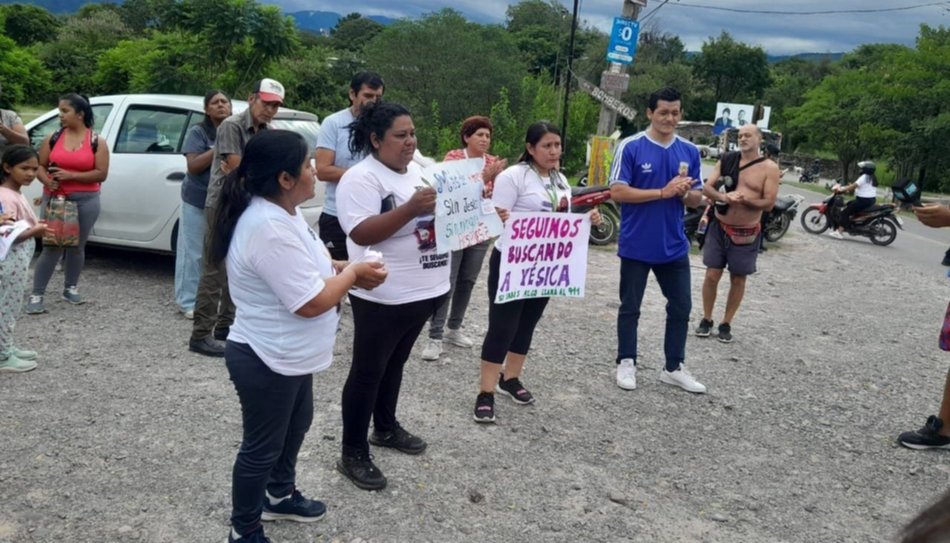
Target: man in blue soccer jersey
(654,175)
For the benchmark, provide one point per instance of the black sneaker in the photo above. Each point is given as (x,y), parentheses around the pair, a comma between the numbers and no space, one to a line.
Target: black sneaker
(485,407)
(704,328)
(725,333)
(398,439)
(515,389)
(927,437)
(296,508)
(359,468)
(221,333)
(257,536)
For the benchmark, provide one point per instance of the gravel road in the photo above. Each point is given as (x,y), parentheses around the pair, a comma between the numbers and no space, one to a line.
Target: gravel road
(122,435)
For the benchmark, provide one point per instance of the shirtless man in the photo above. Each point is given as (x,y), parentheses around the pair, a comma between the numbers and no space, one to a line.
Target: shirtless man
(732,239)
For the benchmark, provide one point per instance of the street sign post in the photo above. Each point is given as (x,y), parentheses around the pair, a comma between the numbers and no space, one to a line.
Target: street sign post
(606,99)
(623,40)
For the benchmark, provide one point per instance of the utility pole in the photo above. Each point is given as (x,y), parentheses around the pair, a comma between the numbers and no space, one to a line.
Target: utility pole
(568,77)
(608,117)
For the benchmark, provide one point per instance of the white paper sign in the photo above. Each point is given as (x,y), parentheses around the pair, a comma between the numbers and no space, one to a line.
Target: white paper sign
(8,235)
(462,218)
(545,255)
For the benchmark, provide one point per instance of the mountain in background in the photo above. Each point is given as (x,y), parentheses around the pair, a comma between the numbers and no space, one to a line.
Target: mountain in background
(811,57)
(320,22)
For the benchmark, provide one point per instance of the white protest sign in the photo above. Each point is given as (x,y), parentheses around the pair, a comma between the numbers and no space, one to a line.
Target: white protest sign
(462,217)
(544,255)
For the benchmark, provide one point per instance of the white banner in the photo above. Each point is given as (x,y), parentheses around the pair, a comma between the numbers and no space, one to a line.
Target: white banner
(545,255)
(462,217)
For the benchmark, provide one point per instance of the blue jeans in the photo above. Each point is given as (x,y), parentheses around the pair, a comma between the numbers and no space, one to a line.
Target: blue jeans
(191,237)
(674,281)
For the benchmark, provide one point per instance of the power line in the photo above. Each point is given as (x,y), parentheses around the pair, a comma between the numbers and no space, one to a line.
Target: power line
(654,10)
(823,12)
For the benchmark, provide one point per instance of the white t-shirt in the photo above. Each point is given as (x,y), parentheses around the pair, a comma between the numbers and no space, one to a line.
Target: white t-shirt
(520,188)
(276,264)
(865,188)
(416,271)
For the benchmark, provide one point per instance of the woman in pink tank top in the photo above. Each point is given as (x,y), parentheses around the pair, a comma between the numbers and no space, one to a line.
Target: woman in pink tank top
(74,166)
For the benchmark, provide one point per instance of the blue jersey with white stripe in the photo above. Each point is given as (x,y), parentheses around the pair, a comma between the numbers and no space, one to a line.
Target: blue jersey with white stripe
(652,232)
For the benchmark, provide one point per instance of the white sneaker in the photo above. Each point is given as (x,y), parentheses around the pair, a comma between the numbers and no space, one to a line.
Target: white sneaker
(681,378)
(432,350)
(627,374)
(456,338)
(835,234)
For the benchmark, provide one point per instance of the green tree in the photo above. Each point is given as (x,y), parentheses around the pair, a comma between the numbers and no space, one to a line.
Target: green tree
(733,71)
(28,24)
(24,77)
(162,63)
(458,73)
(72,58)
(791,79)
(541,30)
(353,32)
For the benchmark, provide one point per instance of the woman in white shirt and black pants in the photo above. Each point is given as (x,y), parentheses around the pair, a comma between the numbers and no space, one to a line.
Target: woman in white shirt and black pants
(287,293)
(384,204)
(865,196)
(533,184)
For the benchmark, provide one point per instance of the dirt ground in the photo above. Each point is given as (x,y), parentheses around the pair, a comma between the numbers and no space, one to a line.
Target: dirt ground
(122,435)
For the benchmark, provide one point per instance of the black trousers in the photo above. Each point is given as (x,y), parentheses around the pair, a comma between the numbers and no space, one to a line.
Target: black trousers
(383,337)
(333,236)
(277,411)
(510,325)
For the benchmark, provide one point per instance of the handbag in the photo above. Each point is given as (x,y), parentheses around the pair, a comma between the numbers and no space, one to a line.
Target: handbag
(945,332)
(62,222)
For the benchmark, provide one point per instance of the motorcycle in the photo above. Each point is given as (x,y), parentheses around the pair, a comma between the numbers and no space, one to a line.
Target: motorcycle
(584,199)
(879,222)
(691,220)
(781,217)
(810,175)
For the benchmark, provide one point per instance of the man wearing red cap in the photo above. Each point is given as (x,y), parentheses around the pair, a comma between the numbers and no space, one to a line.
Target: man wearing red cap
(214,311)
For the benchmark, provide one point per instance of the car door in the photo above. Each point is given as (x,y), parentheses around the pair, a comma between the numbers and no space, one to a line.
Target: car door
(141,196)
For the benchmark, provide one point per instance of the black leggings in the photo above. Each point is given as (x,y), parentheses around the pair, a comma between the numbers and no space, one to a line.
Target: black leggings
(382,340)
(510,325)
(857,205)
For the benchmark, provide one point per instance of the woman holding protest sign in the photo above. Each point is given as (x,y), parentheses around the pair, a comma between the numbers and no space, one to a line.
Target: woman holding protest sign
(476,135)
(533,184)
(387,210)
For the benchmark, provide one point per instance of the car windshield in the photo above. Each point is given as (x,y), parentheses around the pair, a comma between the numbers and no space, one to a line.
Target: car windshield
(306,128)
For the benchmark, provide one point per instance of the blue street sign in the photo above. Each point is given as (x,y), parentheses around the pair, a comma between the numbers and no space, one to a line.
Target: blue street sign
(623,40)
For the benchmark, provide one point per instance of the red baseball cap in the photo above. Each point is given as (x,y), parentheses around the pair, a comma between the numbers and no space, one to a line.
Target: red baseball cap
(270,90)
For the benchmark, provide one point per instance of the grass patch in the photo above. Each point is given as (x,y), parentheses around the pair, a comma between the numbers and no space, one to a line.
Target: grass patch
(28,113)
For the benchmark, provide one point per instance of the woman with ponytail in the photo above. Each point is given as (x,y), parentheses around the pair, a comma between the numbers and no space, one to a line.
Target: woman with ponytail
(287,292)
(384,204)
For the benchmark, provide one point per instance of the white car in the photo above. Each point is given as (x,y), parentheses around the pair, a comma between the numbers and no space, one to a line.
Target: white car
(142,194)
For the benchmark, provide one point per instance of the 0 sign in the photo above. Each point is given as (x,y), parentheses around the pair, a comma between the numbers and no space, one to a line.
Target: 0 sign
(623,40)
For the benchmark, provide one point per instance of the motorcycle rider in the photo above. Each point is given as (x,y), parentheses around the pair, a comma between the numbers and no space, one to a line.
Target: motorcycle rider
(865,192)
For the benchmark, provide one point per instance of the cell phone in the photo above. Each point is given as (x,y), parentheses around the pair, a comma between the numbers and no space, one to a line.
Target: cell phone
(388,204)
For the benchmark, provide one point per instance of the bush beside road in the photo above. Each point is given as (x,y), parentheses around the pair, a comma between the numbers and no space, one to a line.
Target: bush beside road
(123,435)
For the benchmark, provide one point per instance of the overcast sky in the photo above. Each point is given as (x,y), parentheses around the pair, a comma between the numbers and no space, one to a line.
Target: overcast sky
(778,34)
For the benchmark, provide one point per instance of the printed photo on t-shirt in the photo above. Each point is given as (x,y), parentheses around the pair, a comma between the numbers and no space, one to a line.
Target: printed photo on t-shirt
(425,234)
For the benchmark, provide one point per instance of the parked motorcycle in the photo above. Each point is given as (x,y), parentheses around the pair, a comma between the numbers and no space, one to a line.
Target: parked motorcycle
(879,222)
(584,199)
(691,220)
(781,217)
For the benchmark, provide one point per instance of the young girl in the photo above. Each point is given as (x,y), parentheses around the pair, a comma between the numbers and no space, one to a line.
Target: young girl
(19,165)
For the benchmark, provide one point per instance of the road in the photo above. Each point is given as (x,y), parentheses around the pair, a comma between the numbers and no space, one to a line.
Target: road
(916,245)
